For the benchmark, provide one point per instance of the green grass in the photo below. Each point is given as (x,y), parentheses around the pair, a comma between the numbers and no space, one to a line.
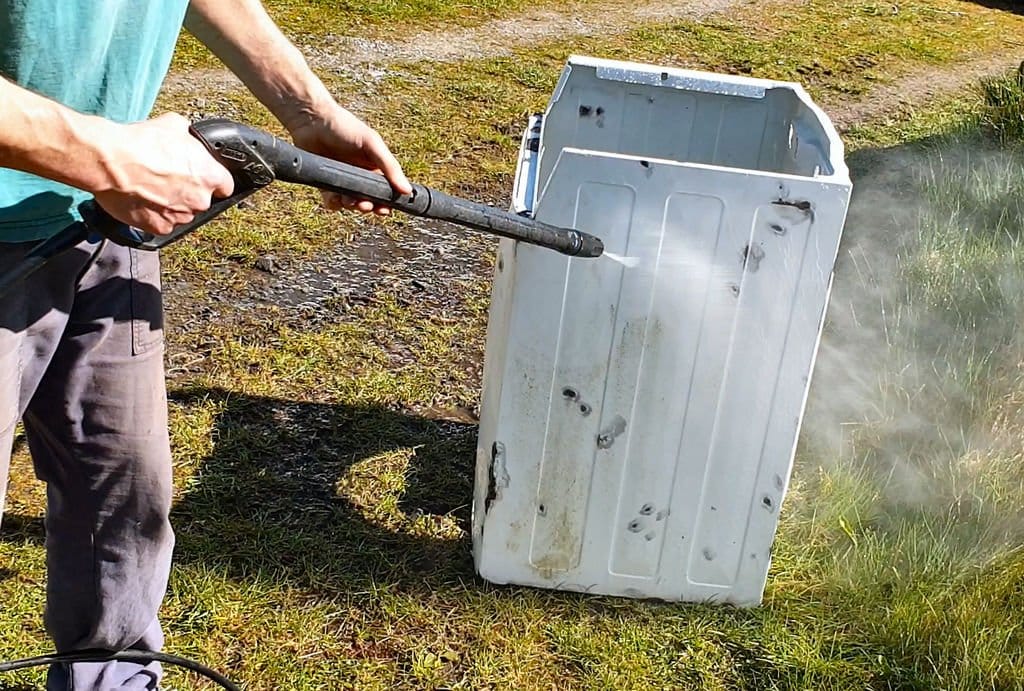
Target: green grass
(322,515)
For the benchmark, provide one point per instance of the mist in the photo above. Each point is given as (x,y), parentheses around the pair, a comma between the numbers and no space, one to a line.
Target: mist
(917,385)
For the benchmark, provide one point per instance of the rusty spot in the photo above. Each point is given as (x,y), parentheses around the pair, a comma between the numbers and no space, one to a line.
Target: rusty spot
(801,205)
(607,436)
(752,256)
(492,485)
(497,475)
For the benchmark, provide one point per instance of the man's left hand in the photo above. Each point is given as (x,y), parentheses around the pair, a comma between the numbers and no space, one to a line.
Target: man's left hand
(338,134)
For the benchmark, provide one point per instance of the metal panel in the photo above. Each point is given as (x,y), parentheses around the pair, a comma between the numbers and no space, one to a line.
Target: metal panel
(639,421)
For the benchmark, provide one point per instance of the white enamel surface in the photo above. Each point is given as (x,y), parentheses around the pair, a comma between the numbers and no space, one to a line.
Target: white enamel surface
(639,419)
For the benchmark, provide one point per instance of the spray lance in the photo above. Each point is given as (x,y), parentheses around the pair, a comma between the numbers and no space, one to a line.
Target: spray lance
(256,158)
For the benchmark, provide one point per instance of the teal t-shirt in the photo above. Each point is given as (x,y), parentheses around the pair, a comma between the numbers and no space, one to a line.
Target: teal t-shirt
(102,57)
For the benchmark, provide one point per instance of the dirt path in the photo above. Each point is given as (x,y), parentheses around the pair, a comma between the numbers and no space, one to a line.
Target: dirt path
(501,37)
(918,88)
(368,60)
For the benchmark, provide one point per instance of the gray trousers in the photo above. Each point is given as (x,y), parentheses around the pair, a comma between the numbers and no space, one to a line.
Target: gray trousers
(81,363)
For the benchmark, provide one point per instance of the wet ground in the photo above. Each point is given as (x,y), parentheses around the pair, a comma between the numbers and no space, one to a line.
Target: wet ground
(424,263)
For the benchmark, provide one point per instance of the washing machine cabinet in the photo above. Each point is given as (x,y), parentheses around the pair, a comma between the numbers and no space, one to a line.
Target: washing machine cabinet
(640,412)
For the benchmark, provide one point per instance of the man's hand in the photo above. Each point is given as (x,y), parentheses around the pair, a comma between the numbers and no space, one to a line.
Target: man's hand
(153,175)
(339,134)
(159,176)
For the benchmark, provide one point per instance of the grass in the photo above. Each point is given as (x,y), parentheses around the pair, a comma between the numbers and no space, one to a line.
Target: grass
(322,481)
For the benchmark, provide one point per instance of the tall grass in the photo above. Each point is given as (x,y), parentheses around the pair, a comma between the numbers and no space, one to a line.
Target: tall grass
(1004,106)
(910,492)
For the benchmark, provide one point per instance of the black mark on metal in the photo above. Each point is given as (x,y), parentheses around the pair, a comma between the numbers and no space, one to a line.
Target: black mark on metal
(751,257)
(647,509)
(801,204)
(585,111)
(585,409)
(492,483)
(767,503)
(570,393)
(607,436)
(635,526)
(542,510)
(778,229)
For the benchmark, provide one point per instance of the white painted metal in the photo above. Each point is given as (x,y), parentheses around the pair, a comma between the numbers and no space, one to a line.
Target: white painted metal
(638,423)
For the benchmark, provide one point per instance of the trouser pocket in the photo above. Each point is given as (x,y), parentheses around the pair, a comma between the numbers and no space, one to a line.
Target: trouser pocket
(146,301)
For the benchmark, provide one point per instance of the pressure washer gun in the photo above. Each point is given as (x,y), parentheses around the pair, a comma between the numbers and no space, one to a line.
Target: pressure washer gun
(256,158)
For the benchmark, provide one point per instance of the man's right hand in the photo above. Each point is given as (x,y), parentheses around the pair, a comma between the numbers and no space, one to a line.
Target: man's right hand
(157,175)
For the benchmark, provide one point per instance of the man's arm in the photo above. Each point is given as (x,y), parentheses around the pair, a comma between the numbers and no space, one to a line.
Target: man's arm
(245,38)
(152,175)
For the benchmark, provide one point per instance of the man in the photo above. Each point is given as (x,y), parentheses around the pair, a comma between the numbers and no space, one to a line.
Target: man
(81,341)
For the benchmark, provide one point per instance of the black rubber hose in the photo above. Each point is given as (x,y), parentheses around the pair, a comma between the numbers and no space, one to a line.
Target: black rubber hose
(139,656)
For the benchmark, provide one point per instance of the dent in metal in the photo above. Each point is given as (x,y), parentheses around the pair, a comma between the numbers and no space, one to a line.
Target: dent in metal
(752,257)
(498,478)
(606,438)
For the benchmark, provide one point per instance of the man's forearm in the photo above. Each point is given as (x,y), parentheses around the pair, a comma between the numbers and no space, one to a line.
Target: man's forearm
(243,36)
(43,137)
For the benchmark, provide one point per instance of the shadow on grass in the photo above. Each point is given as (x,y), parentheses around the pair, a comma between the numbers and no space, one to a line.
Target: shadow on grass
(1014,6)
(266,501)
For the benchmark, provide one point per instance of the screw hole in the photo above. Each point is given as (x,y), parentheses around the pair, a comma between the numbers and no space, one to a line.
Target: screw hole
(585,409)
(647,509)
(570,393)
(542,510)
